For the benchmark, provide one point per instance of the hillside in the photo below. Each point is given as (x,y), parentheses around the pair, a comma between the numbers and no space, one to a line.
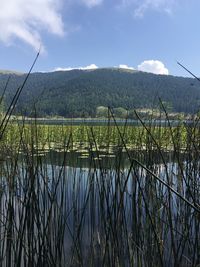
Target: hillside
(79,92)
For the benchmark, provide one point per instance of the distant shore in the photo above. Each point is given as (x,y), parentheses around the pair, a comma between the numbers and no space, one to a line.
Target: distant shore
(99,121)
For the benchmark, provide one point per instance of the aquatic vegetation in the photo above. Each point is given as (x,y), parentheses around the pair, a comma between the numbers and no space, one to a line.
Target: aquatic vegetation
(100,196)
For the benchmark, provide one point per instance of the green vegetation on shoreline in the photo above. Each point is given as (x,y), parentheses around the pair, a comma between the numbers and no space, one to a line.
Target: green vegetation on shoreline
(136,137)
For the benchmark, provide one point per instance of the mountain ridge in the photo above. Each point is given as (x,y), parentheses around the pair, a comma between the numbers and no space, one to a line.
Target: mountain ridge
(77,93)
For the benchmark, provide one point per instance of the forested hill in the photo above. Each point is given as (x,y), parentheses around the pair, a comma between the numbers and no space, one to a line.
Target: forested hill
(79,92)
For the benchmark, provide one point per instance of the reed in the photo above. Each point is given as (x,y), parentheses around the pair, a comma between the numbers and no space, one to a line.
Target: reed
(100,196)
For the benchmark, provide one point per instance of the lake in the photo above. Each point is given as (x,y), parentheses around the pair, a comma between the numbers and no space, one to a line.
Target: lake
(99,208)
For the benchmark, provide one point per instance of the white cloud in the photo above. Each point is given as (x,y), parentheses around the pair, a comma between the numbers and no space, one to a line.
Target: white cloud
(153,66)
(25,19)
(141,6)
(92,3)
(90,67)
(122,66)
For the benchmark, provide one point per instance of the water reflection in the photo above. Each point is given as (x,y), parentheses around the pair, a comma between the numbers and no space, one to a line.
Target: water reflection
(92,208)
(104,160)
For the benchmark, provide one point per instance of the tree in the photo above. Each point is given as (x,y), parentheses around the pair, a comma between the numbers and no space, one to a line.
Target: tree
(102,111)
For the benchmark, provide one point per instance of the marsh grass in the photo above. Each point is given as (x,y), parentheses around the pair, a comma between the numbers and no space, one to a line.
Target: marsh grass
(135,202)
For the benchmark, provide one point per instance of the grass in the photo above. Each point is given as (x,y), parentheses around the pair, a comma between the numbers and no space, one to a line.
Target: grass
(132,201)
(135,137)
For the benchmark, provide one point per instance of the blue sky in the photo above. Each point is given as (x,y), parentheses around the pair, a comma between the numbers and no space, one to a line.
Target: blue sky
(149,35)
